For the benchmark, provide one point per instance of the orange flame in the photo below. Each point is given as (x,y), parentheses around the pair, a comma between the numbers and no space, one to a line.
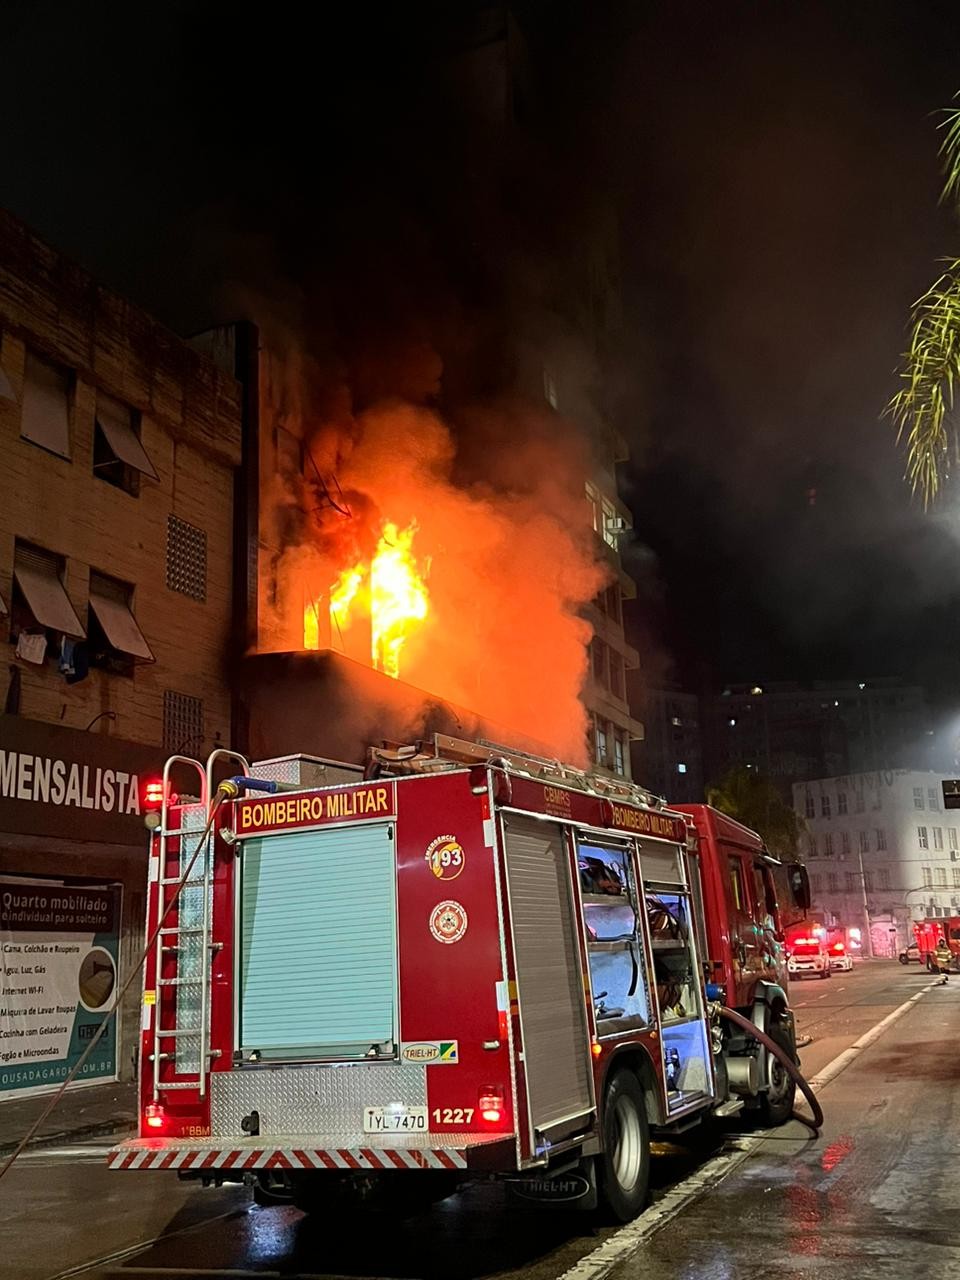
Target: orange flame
(391,591)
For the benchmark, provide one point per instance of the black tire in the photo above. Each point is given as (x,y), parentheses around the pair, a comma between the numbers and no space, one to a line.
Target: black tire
(623,1167)
(824,973)
(902,957)
(776,1104)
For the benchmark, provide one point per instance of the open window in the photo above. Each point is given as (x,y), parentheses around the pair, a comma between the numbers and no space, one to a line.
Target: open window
(116,642)
(39,605)
(617,969)
(118,456)
(45,418)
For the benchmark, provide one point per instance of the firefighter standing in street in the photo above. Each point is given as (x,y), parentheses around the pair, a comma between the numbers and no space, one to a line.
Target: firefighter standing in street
(943,957)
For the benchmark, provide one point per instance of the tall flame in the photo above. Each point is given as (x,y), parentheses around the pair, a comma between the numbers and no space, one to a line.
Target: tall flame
(398,596)
(391,591)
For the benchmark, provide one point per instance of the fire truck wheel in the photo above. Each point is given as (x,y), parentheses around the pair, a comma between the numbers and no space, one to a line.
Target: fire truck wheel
(623,1168)
(776,1105)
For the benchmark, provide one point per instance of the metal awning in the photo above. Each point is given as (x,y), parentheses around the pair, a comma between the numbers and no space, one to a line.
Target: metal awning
(115,420)
(45,418)
(109,602)
(37,574)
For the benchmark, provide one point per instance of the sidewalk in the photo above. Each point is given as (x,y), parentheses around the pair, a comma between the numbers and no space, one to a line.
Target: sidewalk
(90,1111)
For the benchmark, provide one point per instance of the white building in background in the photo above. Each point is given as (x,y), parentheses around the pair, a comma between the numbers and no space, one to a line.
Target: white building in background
(880,845)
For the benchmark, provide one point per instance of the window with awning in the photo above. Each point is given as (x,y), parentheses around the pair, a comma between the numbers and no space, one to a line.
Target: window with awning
(45,418)
(118,453)
(116,640)
(38,577)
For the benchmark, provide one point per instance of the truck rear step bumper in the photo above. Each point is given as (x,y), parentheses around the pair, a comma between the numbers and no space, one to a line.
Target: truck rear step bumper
(317,1151)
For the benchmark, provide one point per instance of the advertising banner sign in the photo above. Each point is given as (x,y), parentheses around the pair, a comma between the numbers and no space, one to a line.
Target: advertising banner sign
(59,947)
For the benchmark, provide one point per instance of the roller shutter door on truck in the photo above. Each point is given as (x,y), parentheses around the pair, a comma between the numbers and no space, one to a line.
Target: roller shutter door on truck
(318,943)
(549,982)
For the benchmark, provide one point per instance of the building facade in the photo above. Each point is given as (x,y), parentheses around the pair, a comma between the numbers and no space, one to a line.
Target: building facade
(881,852)
(668,758)
(116,523)
(790,732)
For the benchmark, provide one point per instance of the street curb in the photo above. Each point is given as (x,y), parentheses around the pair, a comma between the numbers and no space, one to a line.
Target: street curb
(624,1243)
(104,1129)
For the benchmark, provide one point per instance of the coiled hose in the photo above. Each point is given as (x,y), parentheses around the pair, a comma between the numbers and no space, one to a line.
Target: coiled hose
(783,1057)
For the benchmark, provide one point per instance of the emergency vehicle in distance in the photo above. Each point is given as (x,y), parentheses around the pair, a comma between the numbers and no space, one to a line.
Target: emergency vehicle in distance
(808,958)
(927,933)
(464,962)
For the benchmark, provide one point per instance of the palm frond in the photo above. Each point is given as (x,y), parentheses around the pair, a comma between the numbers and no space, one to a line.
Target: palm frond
(921,408)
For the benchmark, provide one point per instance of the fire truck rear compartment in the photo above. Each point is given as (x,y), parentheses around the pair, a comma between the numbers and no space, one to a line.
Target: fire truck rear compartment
(318,945)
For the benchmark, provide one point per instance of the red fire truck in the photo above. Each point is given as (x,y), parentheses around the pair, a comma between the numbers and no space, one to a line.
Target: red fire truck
(928,933)
(465,963)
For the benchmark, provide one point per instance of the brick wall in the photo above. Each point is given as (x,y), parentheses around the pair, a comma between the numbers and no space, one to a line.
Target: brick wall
(190,428)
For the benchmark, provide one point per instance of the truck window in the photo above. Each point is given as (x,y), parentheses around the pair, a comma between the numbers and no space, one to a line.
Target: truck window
(617,970)
(766,893)
(738,889)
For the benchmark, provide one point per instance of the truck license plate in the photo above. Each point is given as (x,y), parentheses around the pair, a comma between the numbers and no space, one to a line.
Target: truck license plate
(387,1120)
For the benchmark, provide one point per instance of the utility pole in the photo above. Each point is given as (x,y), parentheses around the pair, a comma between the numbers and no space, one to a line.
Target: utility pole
(866,905)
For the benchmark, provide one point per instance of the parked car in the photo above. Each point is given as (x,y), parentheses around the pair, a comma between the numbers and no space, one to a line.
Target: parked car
(808,959)
(839,958)
(910,954)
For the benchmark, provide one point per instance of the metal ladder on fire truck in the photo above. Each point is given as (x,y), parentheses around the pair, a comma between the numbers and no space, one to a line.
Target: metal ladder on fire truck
(189,938)
(443,751)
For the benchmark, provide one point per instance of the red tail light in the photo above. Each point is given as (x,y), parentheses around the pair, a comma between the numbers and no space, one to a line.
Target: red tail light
(491,1104)
(153,794)
(154,1115)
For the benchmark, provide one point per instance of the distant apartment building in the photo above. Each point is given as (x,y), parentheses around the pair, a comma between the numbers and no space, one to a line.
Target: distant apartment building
(881,848)
(790,732)
(119,445)
(669,757)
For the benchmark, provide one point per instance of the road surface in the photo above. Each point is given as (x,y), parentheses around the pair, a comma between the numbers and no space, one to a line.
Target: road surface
(868,1184)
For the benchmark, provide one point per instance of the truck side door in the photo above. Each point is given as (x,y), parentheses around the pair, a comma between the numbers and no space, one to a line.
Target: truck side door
(744,939)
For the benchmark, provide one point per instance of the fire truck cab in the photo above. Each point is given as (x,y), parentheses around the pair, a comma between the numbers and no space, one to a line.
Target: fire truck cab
(467,963)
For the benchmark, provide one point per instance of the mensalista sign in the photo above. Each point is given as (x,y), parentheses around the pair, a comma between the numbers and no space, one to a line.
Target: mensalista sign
(66,783)
(60,946)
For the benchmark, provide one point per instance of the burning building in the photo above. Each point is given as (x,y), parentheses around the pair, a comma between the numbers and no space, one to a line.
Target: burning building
(429,487)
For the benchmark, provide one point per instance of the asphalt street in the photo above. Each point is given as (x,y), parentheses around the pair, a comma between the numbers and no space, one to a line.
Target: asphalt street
(870,1188)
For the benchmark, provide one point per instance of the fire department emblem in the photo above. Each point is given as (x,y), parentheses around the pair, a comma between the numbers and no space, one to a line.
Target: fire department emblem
(445,857)
(448,921)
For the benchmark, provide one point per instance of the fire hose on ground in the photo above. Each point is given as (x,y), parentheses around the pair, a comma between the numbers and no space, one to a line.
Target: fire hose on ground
(783,1057)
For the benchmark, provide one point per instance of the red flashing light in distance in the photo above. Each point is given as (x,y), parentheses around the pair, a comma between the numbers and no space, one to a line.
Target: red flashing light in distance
(838,947)
(153,1115)
(491,1104)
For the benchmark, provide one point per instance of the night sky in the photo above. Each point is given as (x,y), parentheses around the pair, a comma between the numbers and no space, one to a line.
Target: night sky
(776,175)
